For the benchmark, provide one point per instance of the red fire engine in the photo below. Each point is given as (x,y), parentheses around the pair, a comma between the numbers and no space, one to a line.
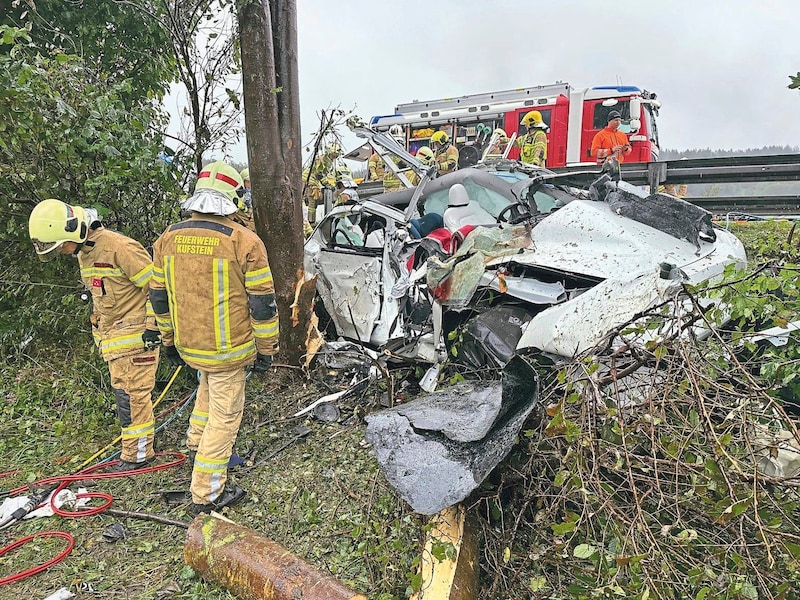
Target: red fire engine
(573,115)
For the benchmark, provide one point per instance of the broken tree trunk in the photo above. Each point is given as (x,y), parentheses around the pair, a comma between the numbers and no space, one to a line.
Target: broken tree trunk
(449,565)
(254,567)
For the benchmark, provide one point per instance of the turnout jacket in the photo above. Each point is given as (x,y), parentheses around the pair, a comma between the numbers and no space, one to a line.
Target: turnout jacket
(117,270)
(447,159)
(212,293)
(533,147)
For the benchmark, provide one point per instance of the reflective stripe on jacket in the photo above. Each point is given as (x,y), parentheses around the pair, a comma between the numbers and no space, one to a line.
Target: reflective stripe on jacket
(117,271)
(212,293)
(533,147)
(447,159)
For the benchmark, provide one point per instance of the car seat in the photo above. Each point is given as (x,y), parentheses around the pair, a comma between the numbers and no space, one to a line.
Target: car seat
(462,211)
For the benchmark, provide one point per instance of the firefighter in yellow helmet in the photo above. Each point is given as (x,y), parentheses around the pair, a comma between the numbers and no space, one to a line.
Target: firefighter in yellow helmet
(117,271)
(426,156)
(446,153)
(214,301)
(244,203)
(499,141)
(533,145)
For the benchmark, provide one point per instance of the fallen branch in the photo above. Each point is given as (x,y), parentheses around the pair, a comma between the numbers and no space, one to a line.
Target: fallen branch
(146,517)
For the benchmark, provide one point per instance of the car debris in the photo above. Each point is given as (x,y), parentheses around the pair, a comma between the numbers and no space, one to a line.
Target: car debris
(409,273)
(436,449)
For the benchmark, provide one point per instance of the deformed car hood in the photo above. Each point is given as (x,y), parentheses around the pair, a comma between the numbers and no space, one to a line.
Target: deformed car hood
(589,238)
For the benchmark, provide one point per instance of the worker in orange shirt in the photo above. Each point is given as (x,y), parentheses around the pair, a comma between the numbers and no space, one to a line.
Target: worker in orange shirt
(610,141)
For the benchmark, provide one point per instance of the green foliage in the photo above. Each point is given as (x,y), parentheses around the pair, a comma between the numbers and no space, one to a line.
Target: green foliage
(66,132)
(662,472)
(123,40)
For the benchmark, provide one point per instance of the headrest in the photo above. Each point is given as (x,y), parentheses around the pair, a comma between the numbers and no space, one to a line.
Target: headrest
(458,196)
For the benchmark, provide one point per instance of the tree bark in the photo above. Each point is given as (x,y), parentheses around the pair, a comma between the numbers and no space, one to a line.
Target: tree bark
(272,122)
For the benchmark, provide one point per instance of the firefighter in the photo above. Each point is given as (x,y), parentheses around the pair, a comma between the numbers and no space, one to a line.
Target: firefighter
(533,145)
(677,190)
(315,178)
(380,171)
(426,156)
(446,153)
(610,142)
(498,147)
(117,271)
(346,188)
(244,216)
(214,301)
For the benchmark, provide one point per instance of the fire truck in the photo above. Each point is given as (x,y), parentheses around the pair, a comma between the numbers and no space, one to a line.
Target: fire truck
(574,116)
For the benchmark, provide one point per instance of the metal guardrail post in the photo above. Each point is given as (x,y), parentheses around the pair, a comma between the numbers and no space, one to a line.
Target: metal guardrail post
(656,173)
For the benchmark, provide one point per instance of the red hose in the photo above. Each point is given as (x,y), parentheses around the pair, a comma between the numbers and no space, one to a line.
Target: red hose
(44,565)
(81,475)
(64,481)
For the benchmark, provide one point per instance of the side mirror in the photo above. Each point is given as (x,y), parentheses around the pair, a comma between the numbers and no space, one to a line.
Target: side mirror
(635,125)
(636,108)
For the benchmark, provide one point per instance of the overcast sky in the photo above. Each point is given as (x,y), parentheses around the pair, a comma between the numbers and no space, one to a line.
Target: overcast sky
(719,67)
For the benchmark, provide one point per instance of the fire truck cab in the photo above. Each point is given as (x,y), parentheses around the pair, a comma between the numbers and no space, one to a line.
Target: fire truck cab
(574,116)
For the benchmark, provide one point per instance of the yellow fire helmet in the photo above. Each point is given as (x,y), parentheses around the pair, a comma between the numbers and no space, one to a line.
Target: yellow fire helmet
(501,134)
(532,118)
(426,156)
(245,174)
(53,222)
(217,191)
(440,137)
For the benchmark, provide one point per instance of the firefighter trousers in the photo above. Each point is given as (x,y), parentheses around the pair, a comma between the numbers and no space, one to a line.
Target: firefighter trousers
(133,378)
(213,427)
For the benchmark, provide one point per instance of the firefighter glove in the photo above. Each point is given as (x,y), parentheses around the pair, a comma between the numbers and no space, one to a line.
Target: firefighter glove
(172,356)
(151,339)
(262,364)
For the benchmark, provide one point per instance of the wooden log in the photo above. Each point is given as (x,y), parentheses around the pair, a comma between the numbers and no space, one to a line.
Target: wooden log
(254,567)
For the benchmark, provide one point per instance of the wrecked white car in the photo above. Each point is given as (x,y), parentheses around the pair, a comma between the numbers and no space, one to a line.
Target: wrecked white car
(484,266)
(498,259)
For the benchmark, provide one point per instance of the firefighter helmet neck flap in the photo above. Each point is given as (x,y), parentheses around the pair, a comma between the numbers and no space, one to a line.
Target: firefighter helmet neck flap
(217,192)
(426,156)
(53,223)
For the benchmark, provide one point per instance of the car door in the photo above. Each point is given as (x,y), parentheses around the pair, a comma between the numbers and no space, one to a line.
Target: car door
(350,271)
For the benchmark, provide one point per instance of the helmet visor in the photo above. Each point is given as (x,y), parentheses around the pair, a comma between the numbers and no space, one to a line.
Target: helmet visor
(47,251)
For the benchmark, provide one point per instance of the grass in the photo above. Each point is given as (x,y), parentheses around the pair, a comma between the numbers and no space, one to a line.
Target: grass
(322,498)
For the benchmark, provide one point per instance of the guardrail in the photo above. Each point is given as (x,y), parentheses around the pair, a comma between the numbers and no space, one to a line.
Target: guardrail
(729,169)
(772,206)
